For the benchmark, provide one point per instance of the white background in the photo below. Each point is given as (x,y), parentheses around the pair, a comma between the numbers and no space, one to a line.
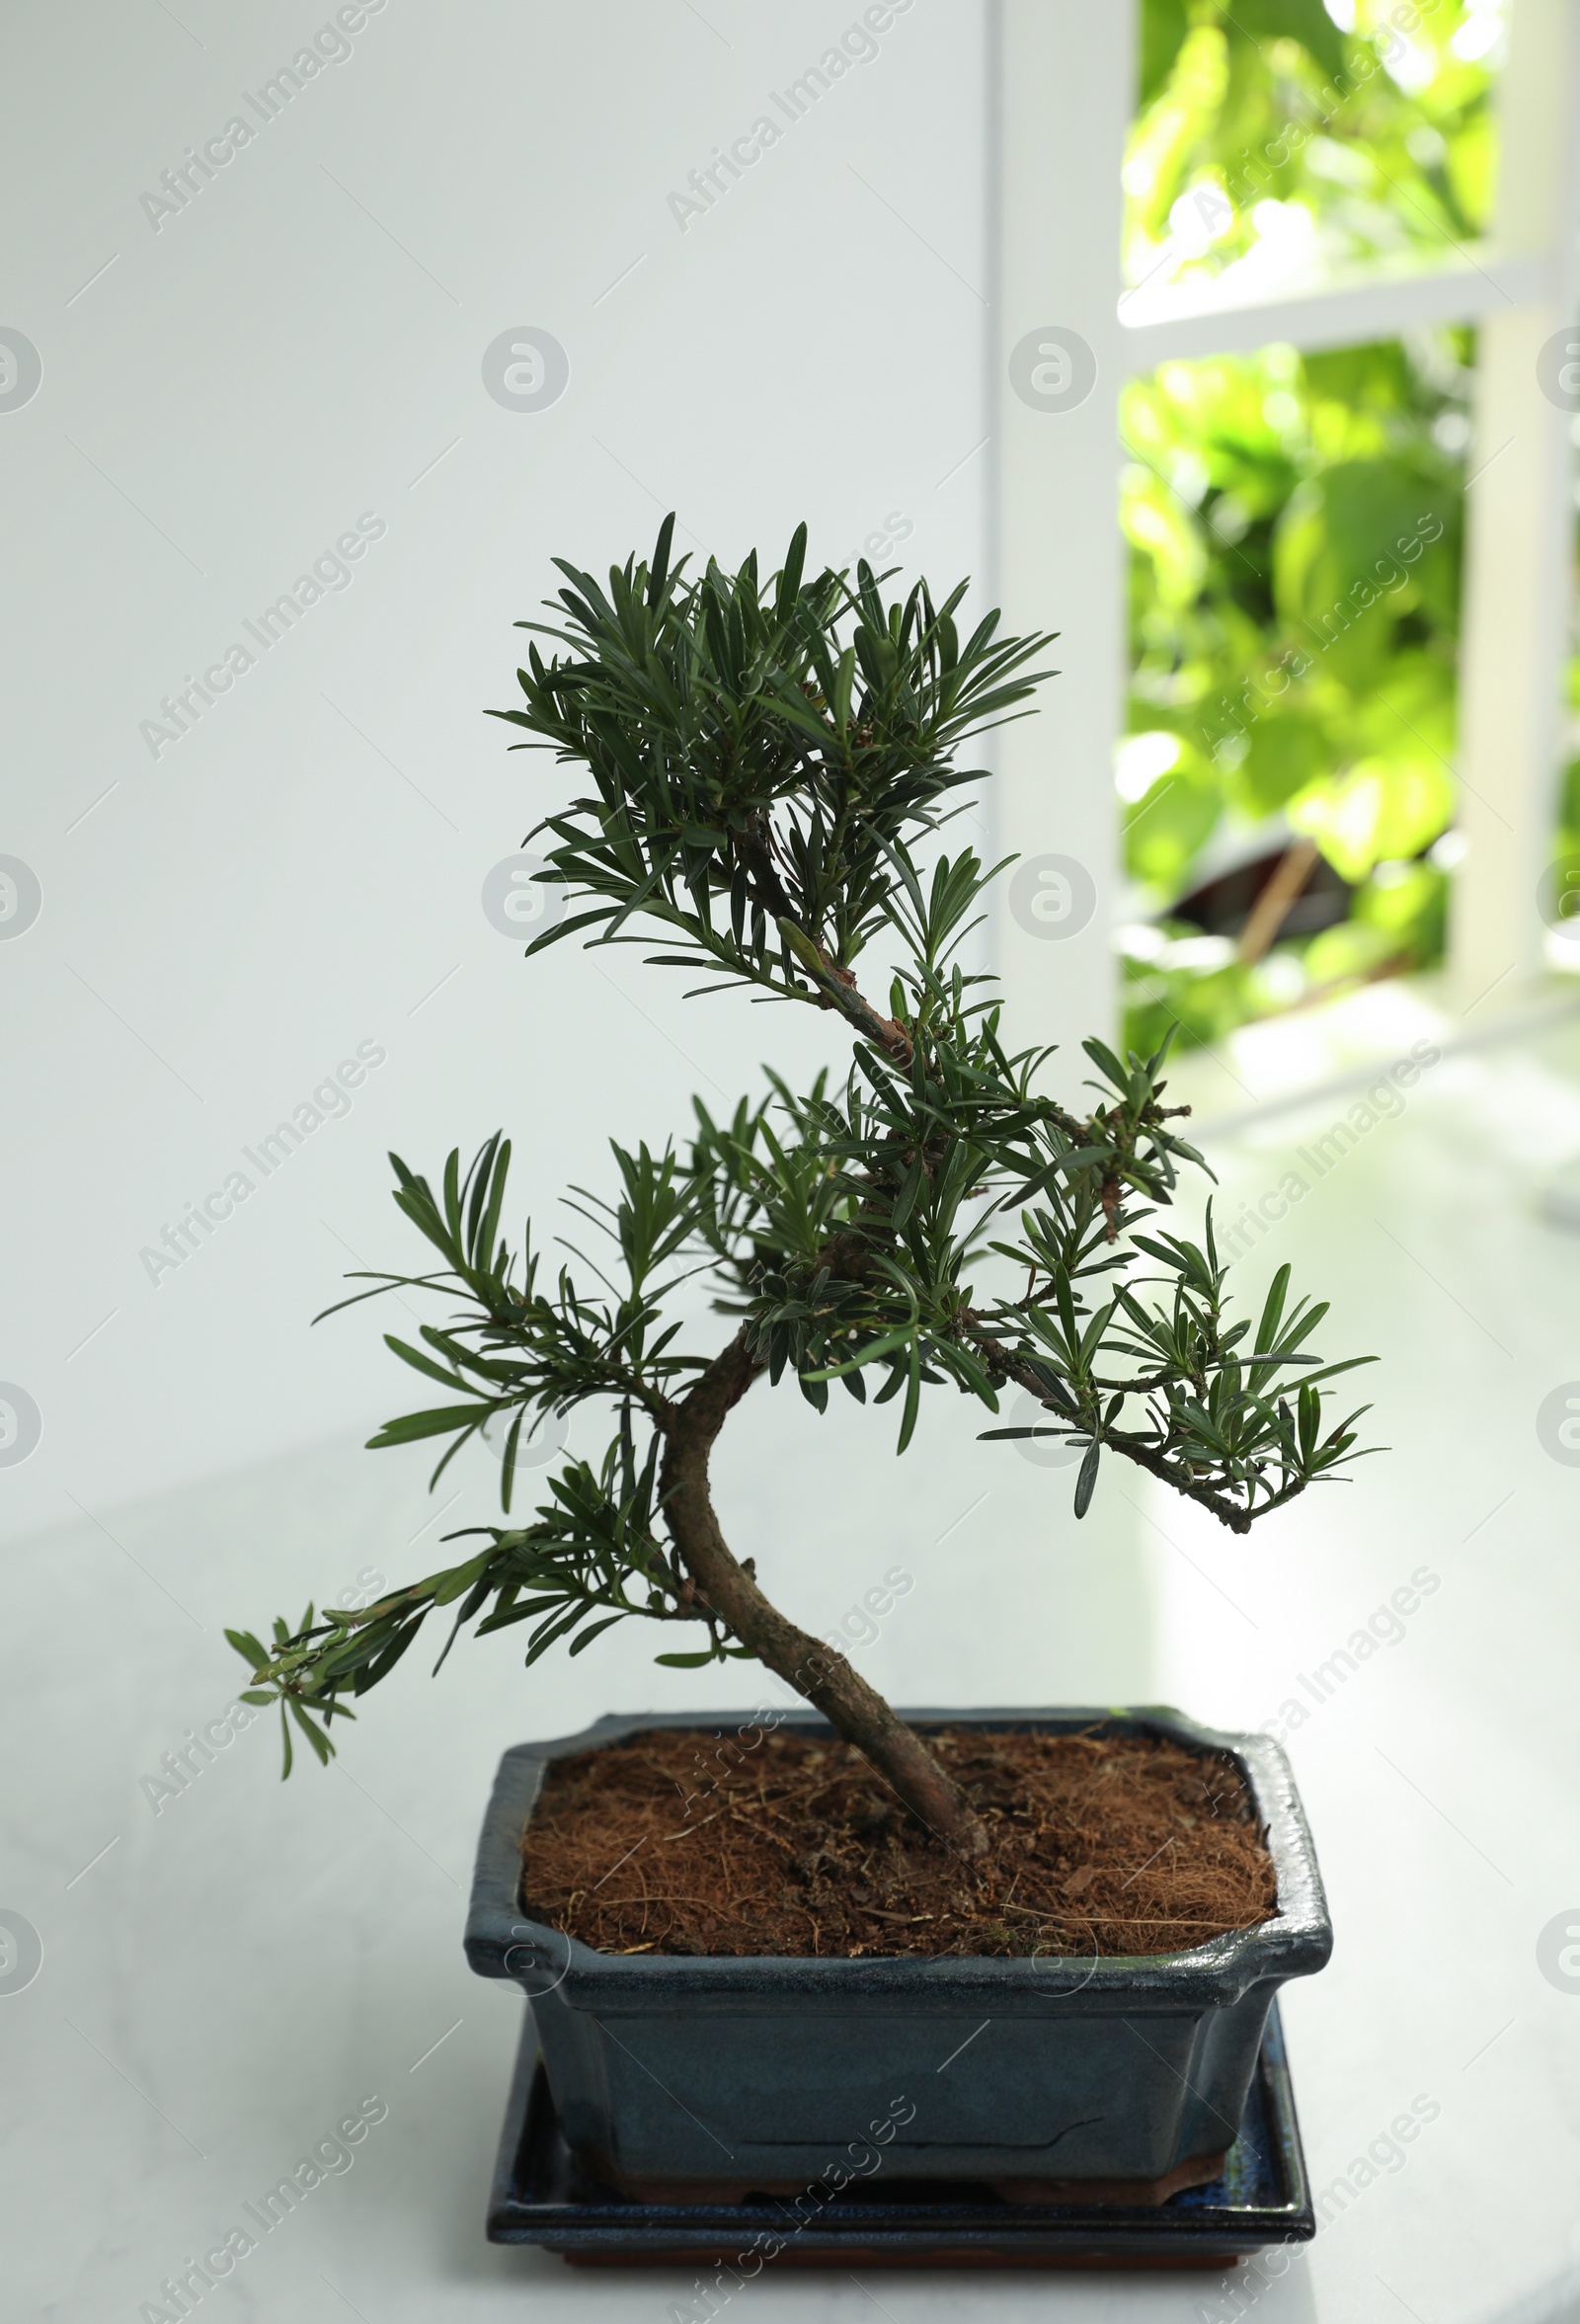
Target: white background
(303,869)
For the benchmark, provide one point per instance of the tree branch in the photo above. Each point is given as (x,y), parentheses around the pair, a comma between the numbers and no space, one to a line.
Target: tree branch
(1237,1517)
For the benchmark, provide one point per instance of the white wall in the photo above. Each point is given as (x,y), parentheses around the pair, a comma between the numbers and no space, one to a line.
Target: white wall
(300,872)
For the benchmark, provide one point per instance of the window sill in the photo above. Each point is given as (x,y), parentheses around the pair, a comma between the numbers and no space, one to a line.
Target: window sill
(1341,1044)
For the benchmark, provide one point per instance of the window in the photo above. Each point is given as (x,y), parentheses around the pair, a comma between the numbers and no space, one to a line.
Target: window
(1318,221)
(1286,786)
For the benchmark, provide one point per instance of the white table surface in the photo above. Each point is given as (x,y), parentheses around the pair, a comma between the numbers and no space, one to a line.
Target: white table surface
(235,1973)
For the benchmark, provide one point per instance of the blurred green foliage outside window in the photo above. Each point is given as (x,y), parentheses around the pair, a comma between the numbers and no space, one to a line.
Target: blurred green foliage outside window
(1295,521)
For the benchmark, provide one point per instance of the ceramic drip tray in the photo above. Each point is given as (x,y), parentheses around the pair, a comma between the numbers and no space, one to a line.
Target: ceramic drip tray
(541,2195)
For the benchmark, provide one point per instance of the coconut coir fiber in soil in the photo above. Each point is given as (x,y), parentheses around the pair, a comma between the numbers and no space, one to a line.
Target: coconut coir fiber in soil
(1101,1844)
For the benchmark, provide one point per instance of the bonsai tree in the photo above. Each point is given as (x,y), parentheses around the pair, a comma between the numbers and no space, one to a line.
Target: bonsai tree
(762,768)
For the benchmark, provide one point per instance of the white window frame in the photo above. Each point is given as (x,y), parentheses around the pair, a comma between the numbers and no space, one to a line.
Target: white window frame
(1065,78)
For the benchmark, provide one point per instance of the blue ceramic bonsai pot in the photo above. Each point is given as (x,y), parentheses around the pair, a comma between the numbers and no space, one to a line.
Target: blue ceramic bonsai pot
(706,2077)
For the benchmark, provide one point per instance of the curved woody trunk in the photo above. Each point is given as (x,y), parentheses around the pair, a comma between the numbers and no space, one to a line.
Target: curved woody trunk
(820,1675)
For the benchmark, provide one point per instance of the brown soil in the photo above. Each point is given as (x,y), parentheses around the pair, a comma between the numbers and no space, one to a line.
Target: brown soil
(680,1842)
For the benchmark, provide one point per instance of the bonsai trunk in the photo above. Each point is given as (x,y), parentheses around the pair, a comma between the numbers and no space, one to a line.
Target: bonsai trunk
(820,1675)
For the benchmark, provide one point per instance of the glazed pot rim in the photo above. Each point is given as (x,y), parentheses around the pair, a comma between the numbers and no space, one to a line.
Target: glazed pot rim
(502,1940)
